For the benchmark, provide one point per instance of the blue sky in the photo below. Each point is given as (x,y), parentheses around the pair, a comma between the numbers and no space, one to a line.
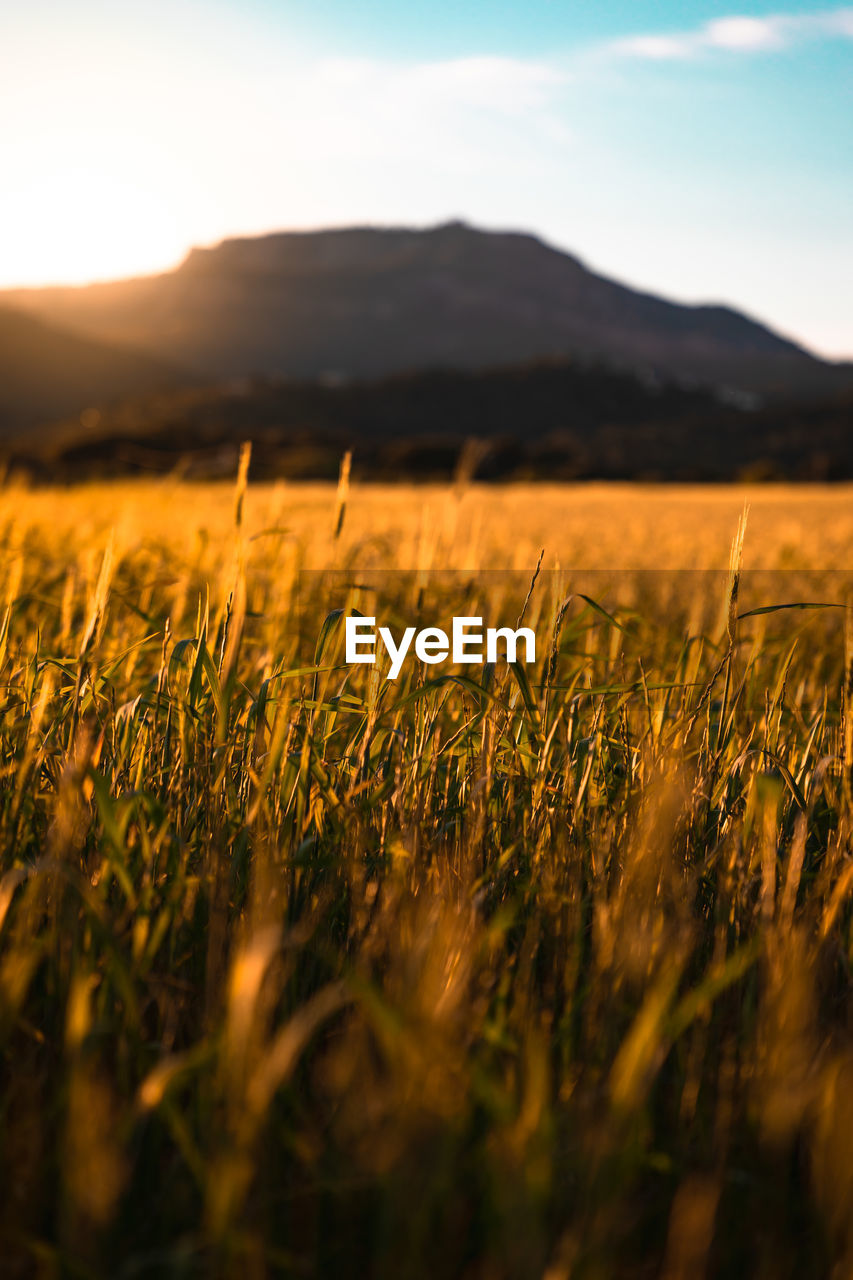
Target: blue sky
(698,150)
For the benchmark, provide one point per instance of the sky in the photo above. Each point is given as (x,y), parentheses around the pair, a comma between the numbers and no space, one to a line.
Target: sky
(703,151)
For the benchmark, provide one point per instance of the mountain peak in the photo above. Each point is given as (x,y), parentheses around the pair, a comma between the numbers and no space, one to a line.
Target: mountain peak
(369,301)
(362,247)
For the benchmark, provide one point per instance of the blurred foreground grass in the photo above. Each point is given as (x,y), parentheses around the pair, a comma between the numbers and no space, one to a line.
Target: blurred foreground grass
(488,973)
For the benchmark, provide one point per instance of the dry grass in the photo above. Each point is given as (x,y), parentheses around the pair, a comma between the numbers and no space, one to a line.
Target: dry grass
(494,973)
(591,526)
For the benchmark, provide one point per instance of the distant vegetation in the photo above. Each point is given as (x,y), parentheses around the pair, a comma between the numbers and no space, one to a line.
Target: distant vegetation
(547,421)
(48,373)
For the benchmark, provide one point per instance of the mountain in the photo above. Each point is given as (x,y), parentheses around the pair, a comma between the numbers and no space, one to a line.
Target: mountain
(366,302)
(48,373)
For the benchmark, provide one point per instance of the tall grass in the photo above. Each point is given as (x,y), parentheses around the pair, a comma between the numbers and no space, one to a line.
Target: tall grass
(494,972)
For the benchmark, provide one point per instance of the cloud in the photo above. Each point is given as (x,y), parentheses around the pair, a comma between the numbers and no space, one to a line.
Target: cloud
(840,22)
(513,85)
(737,34)
(457,113)
(745,33)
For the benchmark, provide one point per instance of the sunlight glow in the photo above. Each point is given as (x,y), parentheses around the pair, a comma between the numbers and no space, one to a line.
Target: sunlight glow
(125,142)
(107,229)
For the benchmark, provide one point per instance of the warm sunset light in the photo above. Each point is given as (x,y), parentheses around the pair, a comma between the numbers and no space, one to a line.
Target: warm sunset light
(697,154)
(107,230)
(426,639)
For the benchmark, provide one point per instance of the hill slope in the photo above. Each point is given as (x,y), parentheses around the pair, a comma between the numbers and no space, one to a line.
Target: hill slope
(48,373)
(367,302)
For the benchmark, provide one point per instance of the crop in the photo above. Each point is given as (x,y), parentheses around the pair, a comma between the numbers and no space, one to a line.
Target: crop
(498,972)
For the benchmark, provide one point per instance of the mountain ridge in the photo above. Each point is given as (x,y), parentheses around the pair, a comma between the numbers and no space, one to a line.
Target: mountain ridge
(48,372)
(367,302)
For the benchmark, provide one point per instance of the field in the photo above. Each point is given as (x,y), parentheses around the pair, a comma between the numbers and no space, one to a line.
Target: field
(486,972)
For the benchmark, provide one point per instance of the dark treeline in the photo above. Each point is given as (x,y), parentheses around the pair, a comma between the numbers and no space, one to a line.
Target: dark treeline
(544,421)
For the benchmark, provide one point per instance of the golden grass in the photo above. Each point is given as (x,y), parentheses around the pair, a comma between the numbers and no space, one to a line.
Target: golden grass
(500,972)
(591,526)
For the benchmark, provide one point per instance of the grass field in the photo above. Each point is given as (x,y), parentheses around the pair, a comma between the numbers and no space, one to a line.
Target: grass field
(491,973)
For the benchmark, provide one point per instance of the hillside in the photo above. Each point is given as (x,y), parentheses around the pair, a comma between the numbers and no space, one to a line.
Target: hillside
(366,302)
(48,373)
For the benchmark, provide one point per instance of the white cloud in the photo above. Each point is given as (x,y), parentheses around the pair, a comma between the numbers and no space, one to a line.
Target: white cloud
(508,85)
(746,33)
(653,47)
(738,34)
(456,115)
(840,22)
(489,82)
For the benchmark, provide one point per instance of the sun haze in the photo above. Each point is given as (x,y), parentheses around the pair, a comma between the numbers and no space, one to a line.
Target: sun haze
(695,153)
